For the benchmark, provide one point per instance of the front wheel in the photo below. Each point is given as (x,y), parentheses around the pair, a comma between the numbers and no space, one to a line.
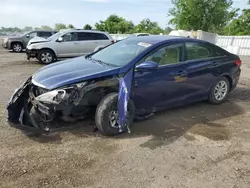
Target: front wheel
(17,47)
(106,117)
(219,91)
(46,57)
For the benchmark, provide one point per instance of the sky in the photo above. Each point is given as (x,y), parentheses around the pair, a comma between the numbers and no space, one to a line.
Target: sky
(35,13)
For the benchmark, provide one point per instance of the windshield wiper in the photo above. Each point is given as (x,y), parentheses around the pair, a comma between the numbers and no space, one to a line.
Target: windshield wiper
(103,63)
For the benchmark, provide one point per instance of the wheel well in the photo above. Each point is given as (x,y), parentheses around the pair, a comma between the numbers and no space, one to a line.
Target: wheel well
(96,95)
(17,42)
(230,81)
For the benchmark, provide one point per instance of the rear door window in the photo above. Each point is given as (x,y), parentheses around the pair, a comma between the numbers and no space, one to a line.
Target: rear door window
(218,52)
(44,34)
(91,36)
(196,51)
(99,36)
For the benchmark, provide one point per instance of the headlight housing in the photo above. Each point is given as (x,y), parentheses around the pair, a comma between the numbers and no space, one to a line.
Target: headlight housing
(67,95)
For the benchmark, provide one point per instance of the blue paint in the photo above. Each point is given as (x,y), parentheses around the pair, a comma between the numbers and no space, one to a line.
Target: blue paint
(124,95)
(152,87)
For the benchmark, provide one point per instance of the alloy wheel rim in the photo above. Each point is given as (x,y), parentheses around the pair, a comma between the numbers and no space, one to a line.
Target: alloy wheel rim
(220,90)
(46,57)
(114,119)
(17,47)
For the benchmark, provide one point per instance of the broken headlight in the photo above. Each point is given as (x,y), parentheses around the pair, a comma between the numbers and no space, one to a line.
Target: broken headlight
(65,95)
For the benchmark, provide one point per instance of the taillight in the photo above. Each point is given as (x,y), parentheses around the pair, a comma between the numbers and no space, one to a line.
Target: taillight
(238,62)
(112,41)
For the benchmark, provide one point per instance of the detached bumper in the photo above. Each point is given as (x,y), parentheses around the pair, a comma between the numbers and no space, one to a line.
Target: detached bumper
(18,110)
(31,53)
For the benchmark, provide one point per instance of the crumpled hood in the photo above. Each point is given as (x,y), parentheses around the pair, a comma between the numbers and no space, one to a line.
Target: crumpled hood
(71,71)
(37,40)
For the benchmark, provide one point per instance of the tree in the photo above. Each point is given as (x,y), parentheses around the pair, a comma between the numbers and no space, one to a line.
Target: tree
(87,27)
(147,26)
(240,25)
(60,26)
(45,27)
(70,26)
(27,28)
(206,15)
(167,30)
(115,24)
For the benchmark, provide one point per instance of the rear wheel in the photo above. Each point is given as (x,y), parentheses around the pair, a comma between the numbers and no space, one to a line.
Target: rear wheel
(46,56)
(106,117)
(219,91)
(17,47)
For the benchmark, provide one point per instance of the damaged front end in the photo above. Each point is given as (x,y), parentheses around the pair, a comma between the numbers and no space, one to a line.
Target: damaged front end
(33,108)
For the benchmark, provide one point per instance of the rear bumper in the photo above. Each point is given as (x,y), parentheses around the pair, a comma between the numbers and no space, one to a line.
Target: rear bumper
(31,53)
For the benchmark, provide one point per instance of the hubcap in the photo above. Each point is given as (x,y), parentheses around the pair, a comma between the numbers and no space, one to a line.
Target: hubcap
(220,90)
(17,47)
(46,57)
(114,119)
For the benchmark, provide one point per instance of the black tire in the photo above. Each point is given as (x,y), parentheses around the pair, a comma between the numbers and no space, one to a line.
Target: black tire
(212,96)
(46,56)
(103,111)
(17,47)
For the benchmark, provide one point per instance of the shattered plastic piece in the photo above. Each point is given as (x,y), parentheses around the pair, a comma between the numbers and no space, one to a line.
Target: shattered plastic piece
(145,116)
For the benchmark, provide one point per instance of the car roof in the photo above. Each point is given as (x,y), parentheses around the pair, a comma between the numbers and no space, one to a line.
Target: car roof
(154,39)
(82,30)
(44,30)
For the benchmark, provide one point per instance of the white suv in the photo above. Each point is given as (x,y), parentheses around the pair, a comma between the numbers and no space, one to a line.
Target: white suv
(67,43)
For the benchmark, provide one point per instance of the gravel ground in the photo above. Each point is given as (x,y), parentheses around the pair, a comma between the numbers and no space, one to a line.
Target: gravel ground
(200,145)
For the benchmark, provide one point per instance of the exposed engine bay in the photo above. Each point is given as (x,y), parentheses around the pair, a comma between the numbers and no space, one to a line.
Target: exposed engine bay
(36,108)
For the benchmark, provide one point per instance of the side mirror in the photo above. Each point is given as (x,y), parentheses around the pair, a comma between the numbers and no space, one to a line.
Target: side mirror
(60,39)
(147,66)
(28,36)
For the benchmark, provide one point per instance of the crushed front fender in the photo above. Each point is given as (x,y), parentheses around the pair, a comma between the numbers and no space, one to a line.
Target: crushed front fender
(18,115)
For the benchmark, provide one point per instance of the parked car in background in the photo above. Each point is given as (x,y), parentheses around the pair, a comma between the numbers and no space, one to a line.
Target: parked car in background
(138,35)
(166,72)
(134,35)
(18,43)
(67,43)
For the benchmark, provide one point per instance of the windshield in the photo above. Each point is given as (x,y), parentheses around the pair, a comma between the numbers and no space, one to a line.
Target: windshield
(120,53)
(55,36)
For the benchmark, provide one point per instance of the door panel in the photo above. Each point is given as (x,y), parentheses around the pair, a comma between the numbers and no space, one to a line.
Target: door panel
(161,88)
(69,47)
(203,68)
(87,43)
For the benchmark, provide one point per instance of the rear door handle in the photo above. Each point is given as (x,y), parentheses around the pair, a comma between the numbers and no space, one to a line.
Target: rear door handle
(181,73)
(213,64)
(76,42)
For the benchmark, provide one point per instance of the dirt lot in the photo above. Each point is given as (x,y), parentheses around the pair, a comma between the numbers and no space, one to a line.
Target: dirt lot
(194,146)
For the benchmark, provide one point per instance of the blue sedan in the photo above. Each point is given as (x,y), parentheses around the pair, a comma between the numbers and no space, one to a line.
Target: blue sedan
(166,72)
